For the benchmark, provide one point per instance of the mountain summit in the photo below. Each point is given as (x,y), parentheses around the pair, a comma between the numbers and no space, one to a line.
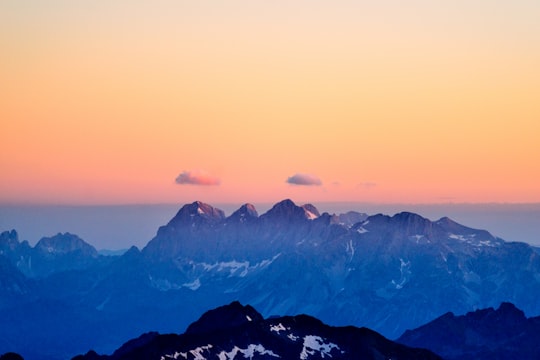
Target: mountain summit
(65,244)
(245,213)
(197,212)
(286,212)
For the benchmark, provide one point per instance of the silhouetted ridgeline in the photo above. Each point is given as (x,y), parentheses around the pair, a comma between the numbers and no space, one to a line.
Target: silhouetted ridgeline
(237,332)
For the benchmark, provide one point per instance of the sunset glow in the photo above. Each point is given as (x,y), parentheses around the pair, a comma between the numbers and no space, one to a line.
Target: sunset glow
(111,102)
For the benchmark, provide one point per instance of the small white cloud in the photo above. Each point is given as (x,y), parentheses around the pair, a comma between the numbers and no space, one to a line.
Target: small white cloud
(304,179)
(197,178)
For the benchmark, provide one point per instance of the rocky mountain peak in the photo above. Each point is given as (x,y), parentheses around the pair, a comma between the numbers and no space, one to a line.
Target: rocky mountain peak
(410,224)
(224,317)
(351,218)
(9,240)
(245,213)
(464,234)
(65,243)
(411,219)
(451,226)
(287,211)
(510,312)
(197,210)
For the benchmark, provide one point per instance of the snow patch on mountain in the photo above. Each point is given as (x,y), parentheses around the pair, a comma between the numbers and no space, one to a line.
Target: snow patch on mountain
(461,237)
(487,243)
(310,215)
(471,240)
(310,211)
(163,284)
(248,353)
(198,271)
(350,248)
(194,285)
(314,344)
(404,269)
(292,337)
(234,267)
(166,285)
(362,230)
(197,353)
(419,239)
(277,328)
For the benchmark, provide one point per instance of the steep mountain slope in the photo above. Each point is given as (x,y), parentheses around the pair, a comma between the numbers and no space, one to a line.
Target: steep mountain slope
(13,284)
(504,333)
(237,332)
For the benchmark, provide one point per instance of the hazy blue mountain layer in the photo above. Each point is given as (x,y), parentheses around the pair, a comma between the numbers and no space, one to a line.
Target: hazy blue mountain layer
(485,334)
(388,273)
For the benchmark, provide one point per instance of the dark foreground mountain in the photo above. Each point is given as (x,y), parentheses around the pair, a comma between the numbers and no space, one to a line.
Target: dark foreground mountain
(11,356)
(387,273)
(500,334)
(239,332)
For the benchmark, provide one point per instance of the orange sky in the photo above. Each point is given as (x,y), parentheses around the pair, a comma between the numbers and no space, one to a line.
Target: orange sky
(417,102)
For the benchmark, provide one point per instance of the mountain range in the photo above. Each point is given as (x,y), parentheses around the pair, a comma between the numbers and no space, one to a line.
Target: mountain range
(236,331)
(387,273)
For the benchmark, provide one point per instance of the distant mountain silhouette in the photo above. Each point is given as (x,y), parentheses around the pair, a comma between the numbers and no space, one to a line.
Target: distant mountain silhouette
(61,252)
(504,333)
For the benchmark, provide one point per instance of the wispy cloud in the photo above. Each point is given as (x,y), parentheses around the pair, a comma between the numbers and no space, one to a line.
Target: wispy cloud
(197,177)
(304,179)
(366,185)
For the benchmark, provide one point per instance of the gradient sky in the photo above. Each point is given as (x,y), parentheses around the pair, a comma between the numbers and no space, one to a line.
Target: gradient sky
(118,102)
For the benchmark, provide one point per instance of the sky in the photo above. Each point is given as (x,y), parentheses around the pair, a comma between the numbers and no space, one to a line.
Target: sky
(137,102)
